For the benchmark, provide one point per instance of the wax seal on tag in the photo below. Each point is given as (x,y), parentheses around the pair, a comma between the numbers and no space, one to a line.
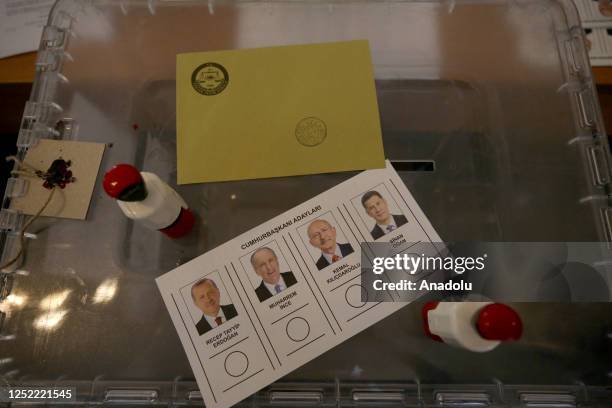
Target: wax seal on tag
(310,131)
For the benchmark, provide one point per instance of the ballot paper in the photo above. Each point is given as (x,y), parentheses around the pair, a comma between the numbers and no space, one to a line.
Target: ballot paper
(21,25)
(261,330)
(276,111)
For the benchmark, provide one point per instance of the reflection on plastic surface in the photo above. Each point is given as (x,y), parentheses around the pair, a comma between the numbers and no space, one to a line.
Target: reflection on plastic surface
(106,291)
(51,320)
(338,22)
(54,300)
(13,301)
(16,300)
(5,361)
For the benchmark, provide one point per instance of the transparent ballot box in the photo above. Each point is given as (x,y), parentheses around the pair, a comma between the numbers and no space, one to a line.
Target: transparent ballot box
(488,112)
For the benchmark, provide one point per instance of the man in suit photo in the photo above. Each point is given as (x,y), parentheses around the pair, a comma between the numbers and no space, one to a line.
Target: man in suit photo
(265,264)
(322,235)
(377,208)
(205,295)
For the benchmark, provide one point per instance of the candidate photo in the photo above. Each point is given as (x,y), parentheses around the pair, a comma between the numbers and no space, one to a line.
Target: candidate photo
(322,235)
(206,296)
(377,208)
(266,266)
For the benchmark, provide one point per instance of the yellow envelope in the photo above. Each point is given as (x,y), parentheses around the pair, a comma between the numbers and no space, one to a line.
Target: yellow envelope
(278,111)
